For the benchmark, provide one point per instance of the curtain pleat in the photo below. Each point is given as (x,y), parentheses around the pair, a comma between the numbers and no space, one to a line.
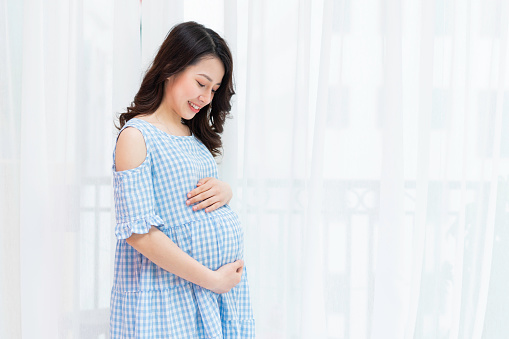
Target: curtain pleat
(494,175)
(313,300)
(10,305)
(461,86)
(423,149)
(390,305)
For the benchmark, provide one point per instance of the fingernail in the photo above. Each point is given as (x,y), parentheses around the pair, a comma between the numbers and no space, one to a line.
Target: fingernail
(189,195)
(187,202)
(194,208)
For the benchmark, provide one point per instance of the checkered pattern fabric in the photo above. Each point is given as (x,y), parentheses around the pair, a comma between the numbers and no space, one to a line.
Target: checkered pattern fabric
(147,301)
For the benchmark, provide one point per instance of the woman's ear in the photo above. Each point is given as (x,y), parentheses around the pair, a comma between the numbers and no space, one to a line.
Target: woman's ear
(170,80)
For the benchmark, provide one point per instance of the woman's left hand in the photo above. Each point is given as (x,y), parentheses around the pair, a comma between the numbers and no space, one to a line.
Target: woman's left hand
(211,193)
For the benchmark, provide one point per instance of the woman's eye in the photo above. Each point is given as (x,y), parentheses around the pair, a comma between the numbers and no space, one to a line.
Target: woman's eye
(202,85)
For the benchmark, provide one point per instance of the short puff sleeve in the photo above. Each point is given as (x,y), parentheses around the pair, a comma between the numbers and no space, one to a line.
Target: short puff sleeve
(134,200)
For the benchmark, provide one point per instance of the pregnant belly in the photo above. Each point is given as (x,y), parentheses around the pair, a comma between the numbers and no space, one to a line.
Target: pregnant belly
(213,241)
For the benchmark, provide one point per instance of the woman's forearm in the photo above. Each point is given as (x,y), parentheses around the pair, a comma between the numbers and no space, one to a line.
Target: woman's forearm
(163,252)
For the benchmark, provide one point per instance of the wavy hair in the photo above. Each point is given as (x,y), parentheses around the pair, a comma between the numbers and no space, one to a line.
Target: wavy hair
(186,44)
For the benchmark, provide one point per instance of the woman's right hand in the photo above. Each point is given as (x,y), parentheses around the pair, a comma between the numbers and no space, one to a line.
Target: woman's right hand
(226,277)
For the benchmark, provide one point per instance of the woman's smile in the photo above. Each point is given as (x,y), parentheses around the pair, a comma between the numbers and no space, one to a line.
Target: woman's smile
(194,108)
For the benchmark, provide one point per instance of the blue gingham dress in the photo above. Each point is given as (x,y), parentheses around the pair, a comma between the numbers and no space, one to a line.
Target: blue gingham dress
(146,300)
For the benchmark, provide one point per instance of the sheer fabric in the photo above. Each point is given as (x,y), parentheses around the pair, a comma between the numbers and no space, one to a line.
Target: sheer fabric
(368,154)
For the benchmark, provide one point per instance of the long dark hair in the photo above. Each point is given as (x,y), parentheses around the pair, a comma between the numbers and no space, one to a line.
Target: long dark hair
(185,45)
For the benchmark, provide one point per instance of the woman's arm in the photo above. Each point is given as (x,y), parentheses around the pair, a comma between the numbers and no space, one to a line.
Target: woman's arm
(155,245)
(163,252)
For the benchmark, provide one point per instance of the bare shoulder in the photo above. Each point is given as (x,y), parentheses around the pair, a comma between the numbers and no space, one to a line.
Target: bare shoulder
(131,150)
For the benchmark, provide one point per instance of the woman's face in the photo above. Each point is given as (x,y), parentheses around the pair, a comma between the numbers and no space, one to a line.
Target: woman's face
(188,91)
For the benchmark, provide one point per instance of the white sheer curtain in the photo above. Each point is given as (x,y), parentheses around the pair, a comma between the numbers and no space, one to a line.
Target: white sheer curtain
(368,154)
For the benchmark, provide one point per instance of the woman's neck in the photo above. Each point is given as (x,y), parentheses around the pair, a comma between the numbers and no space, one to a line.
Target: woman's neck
(170,121)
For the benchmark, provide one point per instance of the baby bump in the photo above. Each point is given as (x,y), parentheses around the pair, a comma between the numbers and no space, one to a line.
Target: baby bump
(213,241)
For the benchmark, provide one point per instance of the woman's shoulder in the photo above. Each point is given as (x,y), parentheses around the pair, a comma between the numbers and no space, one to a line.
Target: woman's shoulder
(131,149)
(140,122)
(141,127)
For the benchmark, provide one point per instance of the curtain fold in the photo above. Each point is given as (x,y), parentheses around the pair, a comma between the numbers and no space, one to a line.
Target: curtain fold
(390,305)
(44,167)
(423,149)
(10,310)
(485,271)
(313,299)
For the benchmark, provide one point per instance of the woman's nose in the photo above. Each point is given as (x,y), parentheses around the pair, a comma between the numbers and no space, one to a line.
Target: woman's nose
(205,98)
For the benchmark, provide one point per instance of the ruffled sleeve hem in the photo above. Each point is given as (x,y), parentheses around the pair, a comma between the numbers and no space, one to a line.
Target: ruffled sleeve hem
(141,225)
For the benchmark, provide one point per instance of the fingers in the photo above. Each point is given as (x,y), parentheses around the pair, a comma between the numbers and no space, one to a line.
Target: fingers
(240,268)
(200,187)
(210,194)
(233,266)
(236,265)
(213,207)
(206,204)
(230,276)
(202,196)
(203,181)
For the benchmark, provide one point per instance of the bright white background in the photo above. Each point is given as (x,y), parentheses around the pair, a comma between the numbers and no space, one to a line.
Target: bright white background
(368,154)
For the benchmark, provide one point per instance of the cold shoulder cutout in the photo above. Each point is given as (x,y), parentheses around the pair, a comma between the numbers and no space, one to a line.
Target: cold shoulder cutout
(131,150)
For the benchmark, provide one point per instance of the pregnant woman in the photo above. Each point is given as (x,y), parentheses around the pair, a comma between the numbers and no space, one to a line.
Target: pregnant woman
(179,271)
